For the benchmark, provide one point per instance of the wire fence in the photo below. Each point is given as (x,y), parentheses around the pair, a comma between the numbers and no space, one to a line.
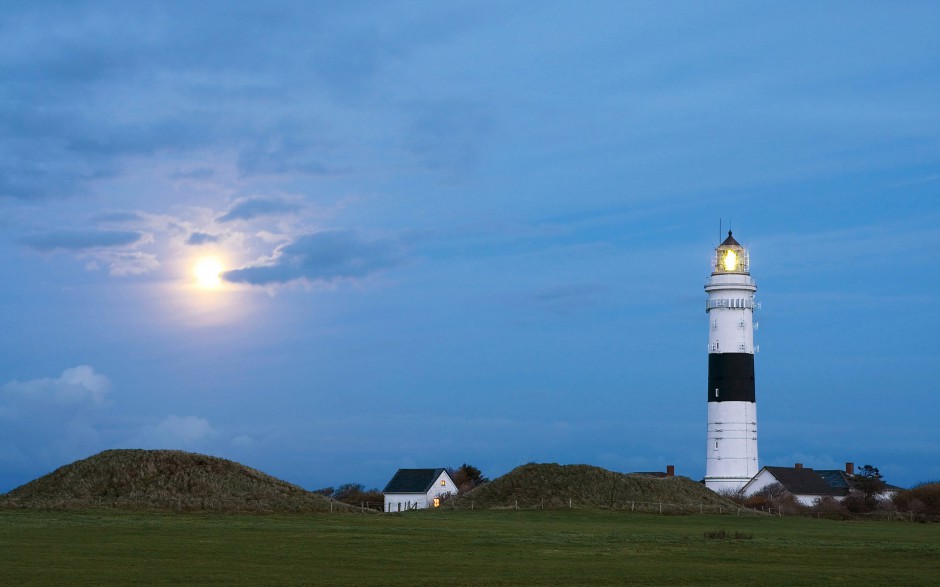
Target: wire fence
(666,508)
(657,507)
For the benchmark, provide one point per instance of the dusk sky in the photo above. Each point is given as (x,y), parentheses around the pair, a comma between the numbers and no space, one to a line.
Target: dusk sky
(464,232)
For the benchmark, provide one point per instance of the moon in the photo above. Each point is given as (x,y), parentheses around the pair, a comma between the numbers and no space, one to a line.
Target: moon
(208,273)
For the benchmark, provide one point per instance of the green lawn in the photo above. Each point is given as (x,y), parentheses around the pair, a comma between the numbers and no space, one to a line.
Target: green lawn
(561,547)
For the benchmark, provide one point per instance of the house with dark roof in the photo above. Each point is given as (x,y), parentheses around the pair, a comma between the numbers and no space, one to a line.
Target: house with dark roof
(805,484)
(412,489)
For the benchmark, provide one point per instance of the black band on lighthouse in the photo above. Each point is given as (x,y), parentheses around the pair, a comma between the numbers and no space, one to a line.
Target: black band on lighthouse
(731,377)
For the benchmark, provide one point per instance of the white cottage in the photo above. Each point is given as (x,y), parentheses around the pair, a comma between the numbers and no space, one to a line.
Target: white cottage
(805,484)
(412,489)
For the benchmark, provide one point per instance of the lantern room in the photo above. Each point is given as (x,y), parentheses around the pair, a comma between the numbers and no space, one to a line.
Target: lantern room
(731,257)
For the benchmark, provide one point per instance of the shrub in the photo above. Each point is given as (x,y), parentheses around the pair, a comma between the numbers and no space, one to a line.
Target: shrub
(725,535)
(776,497)
(829,507)
(922,499)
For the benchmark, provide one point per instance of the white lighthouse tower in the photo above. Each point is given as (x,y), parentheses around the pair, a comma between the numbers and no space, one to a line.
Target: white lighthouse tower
(731,459)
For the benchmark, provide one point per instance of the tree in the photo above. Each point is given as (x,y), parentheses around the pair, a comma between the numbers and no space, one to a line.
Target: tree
(357,494)
(869,481)
(466,477)
(348,490)
(867,484)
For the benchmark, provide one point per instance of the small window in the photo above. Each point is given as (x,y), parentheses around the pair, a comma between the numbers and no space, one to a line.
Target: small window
(437,502)
(443,483)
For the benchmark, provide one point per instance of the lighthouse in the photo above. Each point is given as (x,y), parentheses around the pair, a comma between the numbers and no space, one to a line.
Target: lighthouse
(731,458)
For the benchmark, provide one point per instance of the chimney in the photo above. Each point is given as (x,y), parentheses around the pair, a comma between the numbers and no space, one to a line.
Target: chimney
(850,468)
(798,466)
(670,471)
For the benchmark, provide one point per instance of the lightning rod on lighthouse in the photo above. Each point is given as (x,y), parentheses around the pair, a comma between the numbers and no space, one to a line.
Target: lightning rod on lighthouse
(731,456)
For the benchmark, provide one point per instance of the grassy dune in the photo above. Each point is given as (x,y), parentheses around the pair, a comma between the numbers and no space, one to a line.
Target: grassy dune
(551,547)
(551,485)
(164,480)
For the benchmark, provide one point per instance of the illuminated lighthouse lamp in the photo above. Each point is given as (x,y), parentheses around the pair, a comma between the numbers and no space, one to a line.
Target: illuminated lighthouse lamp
(730,257)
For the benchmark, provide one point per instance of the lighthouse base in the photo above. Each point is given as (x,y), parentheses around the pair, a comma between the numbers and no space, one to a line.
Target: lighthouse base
(731,459)
(726,484)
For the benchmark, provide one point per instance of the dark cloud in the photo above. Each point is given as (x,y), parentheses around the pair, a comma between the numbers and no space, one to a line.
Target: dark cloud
(201,238)
(323,256)
(255,206)
(78,240)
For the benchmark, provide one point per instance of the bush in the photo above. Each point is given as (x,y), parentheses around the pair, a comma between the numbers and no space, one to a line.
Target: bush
(774,497)
(923,499)
(829,507)
(725,535)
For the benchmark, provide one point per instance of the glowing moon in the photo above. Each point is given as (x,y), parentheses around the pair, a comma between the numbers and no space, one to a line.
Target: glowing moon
(208,273)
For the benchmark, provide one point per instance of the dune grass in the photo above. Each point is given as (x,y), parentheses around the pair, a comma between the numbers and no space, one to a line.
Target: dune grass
(551,547)
(167,480)
(551,485)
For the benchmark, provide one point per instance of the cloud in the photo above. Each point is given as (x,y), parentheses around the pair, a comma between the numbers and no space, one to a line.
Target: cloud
(199,173)
(282,154)
(176,432)
(256,206)
(76,385)
(50,421)
(201,238)
(324,256)
(80,240)
(114,249)
(127,262)
(117,217)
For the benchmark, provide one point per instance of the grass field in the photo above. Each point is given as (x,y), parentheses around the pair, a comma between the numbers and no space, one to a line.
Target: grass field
(551,547)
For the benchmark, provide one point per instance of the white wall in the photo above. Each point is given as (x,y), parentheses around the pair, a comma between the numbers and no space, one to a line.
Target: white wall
(400,502)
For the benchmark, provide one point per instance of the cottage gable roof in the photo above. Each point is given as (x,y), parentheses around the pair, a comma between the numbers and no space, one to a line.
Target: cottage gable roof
(836,479)
(803,481)
(844,482)
(413,480)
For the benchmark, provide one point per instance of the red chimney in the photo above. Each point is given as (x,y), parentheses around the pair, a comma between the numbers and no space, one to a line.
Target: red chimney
(798,465)
(670,471)
(850,468)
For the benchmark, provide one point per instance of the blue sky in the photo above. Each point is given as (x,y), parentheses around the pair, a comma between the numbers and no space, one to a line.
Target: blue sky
(464,232)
